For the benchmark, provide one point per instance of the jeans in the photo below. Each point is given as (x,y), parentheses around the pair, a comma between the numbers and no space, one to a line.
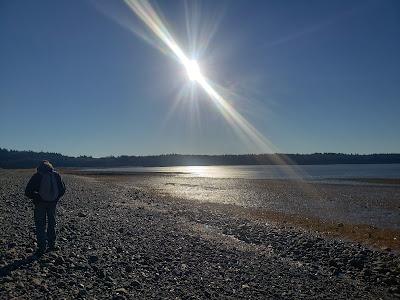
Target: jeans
(42,212)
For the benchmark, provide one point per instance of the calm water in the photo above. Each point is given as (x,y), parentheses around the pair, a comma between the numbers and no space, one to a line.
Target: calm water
(312,172)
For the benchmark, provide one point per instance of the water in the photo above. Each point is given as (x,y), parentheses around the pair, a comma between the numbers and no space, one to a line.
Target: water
(345,201)
(310,172)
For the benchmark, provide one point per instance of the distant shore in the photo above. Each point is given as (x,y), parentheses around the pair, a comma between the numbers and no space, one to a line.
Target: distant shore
(12,159)
(120,239)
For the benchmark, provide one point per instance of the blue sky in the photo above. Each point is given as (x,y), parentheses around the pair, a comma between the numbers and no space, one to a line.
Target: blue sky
(311,76)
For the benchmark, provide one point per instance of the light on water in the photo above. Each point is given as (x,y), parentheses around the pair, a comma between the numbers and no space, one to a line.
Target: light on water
(311,172)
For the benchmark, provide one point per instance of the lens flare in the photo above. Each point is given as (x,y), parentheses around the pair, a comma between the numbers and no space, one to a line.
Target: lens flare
(242,127)
(152,20)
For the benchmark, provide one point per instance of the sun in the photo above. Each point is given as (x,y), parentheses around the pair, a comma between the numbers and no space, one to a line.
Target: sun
(193,70)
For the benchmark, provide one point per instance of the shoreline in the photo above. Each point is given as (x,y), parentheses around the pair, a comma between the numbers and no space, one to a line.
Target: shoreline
(379,238)
(117,240)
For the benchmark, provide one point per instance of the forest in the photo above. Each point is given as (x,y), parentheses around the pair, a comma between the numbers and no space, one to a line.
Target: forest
(13,159)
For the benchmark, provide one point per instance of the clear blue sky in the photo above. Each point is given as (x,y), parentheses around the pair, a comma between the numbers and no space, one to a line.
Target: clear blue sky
(313,76)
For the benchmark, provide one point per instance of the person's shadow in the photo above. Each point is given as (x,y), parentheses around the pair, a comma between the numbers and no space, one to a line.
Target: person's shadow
(18,264)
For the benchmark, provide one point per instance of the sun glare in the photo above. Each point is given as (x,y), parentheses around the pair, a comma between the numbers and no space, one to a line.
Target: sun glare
(193,70)
(144,10)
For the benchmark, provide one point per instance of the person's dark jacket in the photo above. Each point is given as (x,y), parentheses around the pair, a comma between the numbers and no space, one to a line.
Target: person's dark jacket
(33,186)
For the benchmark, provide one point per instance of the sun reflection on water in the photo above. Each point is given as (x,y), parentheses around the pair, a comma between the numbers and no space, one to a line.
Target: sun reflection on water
(206,171)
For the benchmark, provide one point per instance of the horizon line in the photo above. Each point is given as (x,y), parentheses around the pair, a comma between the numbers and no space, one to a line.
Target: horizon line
(185,154)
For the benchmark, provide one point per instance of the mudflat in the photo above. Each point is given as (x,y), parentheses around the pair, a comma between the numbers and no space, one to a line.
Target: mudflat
(122,238)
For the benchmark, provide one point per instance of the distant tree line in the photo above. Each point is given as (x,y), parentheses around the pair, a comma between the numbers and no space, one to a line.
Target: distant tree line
(12,159)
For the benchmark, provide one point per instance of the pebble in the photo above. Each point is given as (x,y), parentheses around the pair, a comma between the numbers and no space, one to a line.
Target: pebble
(93,258)
(121,291)
(136,284)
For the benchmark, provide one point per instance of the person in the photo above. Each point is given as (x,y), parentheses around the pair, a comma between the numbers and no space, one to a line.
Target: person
(45,188)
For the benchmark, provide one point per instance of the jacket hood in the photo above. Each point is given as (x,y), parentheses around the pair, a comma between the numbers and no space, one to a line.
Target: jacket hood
(45,166)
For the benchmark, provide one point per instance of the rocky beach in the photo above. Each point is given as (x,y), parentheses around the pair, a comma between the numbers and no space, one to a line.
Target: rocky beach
(120,241)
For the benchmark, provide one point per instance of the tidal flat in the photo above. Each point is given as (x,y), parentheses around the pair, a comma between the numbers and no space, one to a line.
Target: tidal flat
(361,210)
(161,236)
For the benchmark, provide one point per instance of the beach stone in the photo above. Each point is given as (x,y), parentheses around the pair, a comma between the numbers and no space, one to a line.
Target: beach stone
(136,284)
(36,281)
(59,261)
(101,273)
(93,258)
(20,285)
(121,291)
(8,278)
(395,289)
(356,263)
(128,268)
(336,271)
